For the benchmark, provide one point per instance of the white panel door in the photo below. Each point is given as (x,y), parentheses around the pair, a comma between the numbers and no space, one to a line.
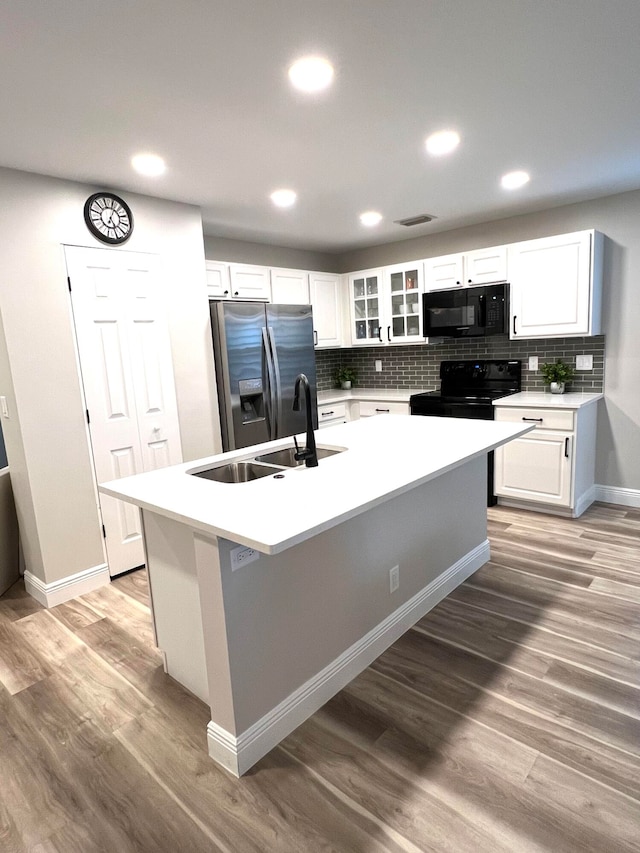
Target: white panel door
(290,287)
(551,286)
(127,375)
(536,467)
(326,302)
(250,282)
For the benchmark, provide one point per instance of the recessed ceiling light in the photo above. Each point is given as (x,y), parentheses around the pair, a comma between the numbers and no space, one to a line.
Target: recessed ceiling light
(148,164)
(442,142)
(283,198)
(370,218)
(311,73)
(514,180)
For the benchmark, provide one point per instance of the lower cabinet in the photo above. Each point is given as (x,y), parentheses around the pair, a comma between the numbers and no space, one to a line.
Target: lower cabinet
(369,408)
(552,466)
(332,414)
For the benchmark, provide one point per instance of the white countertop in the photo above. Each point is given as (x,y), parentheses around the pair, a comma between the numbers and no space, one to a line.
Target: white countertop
(391,395)
(547,400)
(385,457)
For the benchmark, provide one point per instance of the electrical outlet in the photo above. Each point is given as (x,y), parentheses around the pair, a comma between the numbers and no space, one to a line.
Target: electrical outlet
(378,365)
(240,556)
(394,579)
(533,362)
(584,362)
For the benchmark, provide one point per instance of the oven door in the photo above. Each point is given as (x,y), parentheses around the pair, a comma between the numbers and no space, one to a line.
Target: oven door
(453,313)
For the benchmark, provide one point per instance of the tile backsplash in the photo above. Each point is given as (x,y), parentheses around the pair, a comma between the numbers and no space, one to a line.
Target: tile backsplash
(417,366)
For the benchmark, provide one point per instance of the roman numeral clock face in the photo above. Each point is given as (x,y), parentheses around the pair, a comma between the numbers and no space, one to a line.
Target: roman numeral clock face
(108,217)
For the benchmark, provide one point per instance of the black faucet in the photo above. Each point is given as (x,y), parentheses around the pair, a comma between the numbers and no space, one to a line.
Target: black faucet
(308,453)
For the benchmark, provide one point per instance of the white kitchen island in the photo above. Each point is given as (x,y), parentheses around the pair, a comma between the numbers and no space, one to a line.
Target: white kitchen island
(267,636)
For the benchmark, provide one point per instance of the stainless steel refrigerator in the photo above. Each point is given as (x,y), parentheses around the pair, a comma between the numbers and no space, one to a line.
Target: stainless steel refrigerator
(259,350)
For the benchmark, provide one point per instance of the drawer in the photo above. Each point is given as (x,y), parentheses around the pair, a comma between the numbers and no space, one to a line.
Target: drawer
(543,418)
(372,407)
(333,412)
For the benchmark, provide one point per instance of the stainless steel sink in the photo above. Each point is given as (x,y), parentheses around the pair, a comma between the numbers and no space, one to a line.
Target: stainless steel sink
(236,472)
(286,456)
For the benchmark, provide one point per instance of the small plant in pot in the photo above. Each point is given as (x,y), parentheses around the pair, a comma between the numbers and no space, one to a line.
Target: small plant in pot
(556,375)
(345,376)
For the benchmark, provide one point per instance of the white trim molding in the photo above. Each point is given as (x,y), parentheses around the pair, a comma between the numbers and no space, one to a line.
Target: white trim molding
(238,754)
(57,592)
(618,495)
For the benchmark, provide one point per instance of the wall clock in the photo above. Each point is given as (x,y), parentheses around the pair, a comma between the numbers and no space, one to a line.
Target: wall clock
(108,217)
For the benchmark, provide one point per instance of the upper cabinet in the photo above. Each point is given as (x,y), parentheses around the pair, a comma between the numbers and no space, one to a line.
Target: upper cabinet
(237,281)
(402,286)
(290,287)
(556,286)
(385,305)
(481,266)
(365,299)
(325,290)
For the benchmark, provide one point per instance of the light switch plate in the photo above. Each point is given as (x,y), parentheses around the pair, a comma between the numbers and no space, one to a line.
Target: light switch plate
(584,362)
(533,362)
(3,407)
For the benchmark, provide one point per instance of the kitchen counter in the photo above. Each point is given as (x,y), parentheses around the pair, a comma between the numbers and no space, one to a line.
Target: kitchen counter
(341,560)
(391,395)
(383,457)
(537,399)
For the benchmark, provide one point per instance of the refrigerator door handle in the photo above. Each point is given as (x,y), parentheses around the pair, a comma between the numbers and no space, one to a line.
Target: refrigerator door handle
(269,403)
(277,396)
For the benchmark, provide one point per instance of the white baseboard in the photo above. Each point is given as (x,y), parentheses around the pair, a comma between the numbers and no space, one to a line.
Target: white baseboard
(238,754)
(616,495)
(51,594)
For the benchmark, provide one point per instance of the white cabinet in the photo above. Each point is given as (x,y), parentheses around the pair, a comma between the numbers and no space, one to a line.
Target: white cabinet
(237,281)
(385,305)
(556,286)
(326,295)
(551,467)
(250,282)
(218,281)
(365,299)
(480,266)
(332,414)
(290,287)
(402,286)
(371,408)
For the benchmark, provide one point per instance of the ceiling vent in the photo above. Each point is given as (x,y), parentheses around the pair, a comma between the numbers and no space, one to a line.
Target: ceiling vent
(416,220)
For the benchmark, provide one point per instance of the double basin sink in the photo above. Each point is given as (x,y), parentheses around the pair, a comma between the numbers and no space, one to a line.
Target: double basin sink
(263,465)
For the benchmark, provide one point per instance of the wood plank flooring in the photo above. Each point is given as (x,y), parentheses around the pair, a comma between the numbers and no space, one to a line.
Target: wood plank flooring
(508,719)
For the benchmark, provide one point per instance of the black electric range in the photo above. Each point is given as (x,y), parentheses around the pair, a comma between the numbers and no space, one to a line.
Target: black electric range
(467,390)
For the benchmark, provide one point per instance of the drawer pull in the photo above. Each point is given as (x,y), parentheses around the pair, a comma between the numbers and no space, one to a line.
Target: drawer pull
(315,338)
(537,420)
(326,414)
(566,447)
(382,410)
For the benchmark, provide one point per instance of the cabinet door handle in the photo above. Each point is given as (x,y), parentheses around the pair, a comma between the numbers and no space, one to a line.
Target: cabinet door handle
(382,410)
(326,414)
(537,420)
(514,324)
(315,338)
(389,333)
(566,447)
(380,333)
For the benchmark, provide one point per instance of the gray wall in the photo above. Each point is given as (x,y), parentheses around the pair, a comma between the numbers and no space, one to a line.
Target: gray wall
(3,452)
(618,217)
(223,249)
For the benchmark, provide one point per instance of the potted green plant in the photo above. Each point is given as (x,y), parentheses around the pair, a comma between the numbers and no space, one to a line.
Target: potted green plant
(345,376)
(556,375)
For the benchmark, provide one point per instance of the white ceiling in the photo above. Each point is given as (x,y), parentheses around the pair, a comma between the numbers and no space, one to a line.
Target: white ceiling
(549,86)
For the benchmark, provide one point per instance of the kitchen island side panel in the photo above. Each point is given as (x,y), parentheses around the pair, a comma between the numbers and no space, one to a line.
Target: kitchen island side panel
(290,615)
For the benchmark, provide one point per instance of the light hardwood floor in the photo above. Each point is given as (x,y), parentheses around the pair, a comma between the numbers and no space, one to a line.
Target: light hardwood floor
(508,719)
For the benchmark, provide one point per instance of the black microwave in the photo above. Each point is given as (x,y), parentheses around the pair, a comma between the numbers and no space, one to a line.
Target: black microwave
(466,312)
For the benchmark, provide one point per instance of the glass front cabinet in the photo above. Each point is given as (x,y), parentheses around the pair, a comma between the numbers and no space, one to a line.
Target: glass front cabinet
(365,294)
(385,305)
